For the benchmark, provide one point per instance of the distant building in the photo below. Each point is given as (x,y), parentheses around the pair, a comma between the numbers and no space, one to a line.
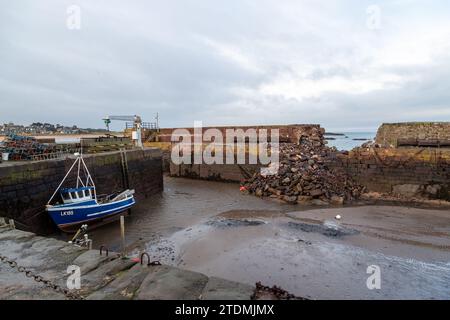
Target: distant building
(42,128)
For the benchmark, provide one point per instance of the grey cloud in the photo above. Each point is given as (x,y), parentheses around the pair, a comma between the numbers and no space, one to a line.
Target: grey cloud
(143,57)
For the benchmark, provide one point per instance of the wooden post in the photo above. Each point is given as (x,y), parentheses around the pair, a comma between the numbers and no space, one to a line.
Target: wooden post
(122,234)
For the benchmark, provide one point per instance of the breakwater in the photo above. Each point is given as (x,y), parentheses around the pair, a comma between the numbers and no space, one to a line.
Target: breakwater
(25,187)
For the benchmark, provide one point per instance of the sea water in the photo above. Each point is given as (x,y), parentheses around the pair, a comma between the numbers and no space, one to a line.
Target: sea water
(347,142)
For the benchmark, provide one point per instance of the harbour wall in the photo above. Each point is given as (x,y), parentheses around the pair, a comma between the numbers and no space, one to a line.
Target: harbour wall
(214,172)
(287,133)
(410,172)
(390,133)
(25,187)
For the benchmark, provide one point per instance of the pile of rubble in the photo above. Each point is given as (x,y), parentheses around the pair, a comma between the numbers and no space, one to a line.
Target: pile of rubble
(304,177)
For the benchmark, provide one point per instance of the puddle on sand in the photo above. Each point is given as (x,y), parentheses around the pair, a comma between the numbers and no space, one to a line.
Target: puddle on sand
(329,228)
(226,223)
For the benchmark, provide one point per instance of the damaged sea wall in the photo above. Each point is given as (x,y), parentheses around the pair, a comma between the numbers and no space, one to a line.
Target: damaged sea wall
(287,133)
(410,172)
(25,187)
(235,172)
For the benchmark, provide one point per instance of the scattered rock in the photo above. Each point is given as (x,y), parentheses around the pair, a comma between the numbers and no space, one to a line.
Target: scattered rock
(290,199)
(272,293)
(433,190)
(318,202)
(337,200)
(408,190)
(316,193)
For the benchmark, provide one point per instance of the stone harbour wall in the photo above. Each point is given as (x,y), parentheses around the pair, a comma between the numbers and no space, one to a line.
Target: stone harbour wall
(411,172)
(288,133)
(214,172)
(25,187)
(389,133)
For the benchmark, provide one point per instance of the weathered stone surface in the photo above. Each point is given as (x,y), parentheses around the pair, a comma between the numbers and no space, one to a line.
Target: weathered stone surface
(433,190)
(124,287)
(167,283)
(90,260)
(385,170)
(408,190)
(104,274)
(390,133)
(319,202)
(101,277)
(337,200)
(221,289)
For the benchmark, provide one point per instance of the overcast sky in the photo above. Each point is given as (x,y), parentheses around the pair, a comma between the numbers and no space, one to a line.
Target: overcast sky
(348,65)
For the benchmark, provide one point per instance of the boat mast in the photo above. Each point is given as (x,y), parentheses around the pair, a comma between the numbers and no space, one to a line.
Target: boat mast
(89,177)
(64,179)
(89,182)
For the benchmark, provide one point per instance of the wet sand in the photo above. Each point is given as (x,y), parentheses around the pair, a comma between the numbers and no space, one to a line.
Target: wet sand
(211,228)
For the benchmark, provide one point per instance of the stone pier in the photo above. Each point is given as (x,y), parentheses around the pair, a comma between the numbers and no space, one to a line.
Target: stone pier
(102,277)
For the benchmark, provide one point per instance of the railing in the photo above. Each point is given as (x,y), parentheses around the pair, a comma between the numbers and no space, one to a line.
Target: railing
(49,156)
(144,125)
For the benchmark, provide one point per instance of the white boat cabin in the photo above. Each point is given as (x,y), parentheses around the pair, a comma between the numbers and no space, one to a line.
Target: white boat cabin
(75,195)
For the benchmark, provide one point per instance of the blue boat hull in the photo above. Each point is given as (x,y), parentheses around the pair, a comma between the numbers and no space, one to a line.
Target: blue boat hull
(69,217)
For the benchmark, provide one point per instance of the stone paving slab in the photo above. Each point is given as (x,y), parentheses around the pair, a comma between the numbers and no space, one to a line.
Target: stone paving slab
(123,287)
(221,289)
(170,283)
(16,286)
(104,274)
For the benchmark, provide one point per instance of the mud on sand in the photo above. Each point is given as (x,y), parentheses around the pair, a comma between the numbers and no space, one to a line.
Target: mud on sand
(313,255)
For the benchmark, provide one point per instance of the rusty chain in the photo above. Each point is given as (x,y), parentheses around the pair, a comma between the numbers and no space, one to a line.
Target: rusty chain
(49,284)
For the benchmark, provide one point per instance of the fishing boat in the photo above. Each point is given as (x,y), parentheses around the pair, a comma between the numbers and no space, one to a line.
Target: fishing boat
(72,207)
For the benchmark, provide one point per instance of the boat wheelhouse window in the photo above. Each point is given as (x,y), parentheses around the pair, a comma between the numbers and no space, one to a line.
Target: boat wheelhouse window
(73,194)
(65,196)
(80,194)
